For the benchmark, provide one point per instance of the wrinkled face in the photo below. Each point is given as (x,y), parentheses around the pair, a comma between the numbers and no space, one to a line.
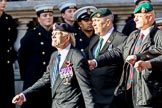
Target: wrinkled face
(86,24)
(59,38)
(68,14)
(3,4)
(99,25)
(46,19)
(142,21)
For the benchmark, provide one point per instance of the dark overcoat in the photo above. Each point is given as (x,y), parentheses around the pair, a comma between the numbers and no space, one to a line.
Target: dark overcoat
(146,84)
(8,34)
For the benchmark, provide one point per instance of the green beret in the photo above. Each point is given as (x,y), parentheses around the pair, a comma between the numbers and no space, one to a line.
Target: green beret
(143,8)
(101,12)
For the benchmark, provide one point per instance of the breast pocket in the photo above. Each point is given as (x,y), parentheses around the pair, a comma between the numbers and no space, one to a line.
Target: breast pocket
(67,74)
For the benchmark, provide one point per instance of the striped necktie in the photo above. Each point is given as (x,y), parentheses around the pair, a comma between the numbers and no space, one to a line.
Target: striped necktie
(98,47)
(132,70)
(138,44)
(56,69)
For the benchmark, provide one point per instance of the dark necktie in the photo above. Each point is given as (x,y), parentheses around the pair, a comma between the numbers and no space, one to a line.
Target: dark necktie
(138,44)
(98,47)
(131,70)
(56,69)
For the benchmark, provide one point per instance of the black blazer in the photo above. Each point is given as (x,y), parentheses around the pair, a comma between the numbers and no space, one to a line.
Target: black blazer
(106,78)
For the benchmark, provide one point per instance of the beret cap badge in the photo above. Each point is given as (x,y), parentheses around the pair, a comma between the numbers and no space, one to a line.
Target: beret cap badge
(143,10)
(98,15)
(48,10)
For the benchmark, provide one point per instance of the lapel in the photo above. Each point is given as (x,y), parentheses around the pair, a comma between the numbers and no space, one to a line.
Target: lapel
(148,40)
(145,44)
(108,42)
(58,79)
(132,42)
(93,43)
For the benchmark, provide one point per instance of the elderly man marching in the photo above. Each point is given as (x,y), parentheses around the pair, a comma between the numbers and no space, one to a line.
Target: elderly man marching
(67,74)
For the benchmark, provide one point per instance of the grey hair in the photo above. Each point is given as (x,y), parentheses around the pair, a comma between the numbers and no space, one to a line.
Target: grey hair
(111,17)
(72,39)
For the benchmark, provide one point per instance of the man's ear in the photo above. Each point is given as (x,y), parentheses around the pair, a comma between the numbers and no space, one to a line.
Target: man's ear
(79,23)
(68,37)
(63,15)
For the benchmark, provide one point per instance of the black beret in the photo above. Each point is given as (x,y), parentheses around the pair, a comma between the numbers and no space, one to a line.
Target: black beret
(137,1)
(64,27)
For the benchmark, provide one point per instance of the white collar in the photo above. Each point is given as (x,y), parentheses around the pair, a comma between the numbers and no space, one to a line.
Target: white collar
(147,31)
(65,50)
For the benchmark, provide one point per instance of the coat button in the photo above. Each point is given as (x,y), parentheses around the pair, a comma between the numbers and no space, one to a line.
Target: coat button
(8,51)
(39,33)
(9,28)
(82,50)
(80,40)
(6,17)
(42,43)
(8,62)
(44,63)
(43,53)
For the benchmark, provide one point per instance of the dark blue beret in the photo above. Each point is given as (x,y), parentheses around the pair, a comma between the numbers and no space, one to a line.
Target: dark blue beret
(64,27)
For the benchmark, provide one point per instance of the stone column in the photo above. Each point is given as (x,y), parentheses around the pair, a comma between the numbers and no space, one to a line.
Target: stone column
(22,28)
(120,22)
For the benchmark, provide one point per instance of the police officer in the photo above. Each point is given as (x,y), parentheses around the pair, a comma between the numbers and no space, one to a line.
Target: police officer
(86,31)
(34,55)
(8,34)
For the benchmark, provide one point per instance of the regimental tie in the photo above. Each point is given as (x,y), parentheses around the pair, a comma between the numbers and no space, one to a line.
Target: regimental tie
(98,47)
(132,70)
(56,69)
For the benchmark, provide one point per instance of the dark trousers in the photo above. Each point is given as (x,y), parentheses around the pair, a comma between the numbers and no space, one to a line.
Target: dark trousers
(123,100)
